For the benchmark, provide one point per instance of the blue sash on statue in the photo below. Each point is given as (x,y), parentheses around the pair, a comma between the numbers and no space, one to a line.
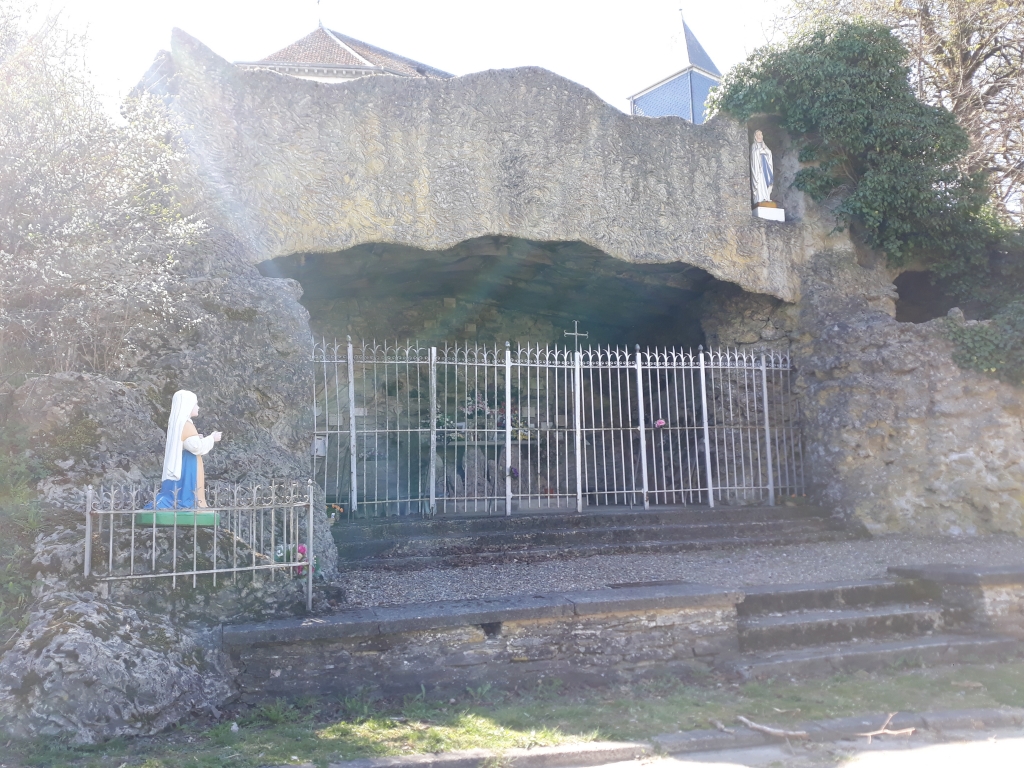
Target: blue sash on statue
(766,170)
(178,494)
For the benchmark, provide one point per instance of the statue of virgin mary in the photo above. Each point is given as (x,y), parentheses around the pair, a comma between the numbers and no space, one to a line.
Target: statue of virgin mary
(183,483)
(762,174)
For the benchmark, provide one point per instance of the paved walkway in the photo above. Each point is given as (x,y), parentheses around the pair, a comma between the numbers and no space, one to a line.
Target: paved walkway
(994,749)
(827,561)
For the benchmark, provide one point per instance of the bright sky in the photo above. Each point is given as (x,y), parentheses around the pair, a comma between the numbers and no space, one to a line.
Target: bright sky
(615,48)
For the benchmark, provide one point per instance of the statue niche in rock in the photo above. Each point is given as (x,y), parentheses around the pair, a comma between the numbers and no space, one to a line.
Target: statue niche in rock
(183,484)
(762,179)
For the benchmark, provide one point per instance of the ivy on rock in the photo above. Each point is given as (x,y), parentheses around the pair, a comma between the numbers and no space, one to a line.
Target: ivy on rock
(843,93)
(895,167)
(994,346)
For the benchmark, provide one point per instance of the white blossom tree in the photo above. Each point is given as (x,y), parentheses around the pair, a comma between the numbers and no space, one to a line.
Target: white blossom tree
(90,230)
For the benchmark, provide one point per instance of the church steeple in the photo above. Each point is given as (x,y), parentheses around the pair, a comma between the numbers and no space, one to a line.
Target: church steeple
(696,56)
(685,93)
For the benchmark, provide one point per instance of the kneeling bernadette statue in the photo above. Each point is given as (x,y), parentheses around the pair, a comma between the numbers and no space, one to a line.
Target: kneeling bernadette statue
(183,484)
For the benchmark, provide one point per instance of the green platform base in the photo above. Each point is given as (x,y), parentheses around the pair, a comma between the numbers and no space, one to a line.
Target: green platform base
(183,518)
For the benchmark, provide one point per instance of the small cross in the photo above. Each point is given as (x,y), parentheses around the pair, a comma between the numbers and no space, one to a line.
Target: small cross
(577,334)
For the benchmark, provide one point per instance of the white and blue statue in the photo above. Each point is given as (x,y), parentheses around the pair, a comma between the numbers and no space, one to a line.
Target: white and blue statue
(183,484)
(762,173)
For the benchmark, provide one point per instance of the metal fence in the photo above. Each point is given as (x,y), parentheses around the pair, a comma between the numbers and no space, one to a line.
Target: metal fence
(411,429)
(245,529)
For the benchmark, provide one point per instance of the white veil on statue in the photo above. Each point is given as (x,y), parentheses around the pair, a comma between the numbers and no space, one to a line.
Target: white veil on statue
(181,411)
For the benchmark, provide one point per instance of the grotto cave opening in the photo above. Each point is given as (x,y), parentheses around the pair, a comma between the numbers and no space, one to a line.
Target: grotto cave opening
(922,297)
(471,432)
(495,289)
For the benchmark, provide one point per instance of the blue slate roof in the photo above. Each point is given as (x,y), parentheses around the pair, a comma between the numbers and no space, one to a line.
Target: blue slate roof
(685,93)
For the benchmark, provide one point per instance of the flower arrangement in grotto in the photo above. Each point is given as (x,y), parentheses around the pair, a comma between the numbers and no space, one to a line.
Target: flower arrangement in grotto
(476,405)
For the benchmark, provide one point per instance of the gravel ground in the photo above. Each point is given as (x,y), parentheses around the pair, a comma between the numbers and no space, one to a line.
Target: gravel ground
(826,561)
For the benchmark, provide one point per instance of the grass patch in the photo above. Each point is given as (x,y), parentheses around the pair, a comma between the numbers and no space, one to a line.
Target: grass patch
(331,729)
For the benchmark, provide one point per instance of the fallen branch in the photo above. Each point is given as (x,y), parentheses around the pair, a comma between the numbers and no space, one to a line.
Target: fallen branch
(776,732)
(884,730)
(721,726)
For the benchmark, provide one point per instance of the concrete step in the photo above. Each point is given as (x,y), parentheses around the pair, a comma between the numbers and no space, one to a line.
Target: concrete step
(540,553)
(834,595)
(806,628)
(569,538)
(829,659)
(594,517)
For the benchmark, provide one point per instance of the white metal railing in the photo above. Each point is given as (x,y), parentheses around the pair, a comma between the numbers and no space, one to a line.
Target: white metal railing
(412,429)
(245,529)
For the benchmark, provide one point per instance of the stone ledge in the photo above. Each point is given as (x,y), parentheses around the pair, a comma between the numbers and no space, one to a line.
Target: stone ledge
(961,574)
(418,617)
(655,598)
(566,756)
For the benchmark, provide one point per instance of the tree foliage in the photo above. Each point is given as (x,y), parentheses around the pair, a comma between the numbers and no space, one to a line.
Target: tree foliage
(89,227)
(891,162)
(966,56)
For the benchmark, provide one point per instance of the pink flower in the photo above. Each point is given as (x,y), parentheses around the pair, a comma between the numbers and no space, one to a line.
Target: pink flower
(659,423)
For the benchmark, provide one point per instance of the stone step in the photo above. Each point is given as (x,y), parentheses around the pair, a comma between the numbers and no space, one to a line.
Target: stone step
(827,660)
(568,538)
(806,628)
(537,554)
(594,517)
(834,595)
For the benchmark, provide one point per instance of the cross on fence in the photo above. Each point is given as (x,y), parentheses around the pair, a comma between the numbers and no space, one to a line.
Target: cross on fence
(576,333)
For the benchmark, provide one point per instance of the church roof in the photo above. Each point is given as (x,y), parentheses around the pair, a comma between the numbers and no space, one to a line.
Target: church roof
(325,48)
(696,55)
(696,59)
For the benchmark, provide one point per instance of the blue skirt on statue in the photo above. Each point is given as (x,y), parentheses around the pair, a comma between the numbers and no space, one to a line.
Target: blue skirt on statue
(179,494)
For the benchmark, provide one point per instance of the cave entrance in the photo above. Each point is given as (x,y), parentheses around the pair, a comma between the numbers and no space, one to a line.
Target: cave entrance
(496,289)
(495,411)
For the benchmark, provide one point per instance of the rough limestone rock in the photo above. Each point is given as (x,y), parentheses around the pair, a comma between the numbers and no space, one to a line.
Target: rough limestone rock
(906,439)
(897,437)
(247,358)
(295,166)
(92,669)
(98,661)
(86,428)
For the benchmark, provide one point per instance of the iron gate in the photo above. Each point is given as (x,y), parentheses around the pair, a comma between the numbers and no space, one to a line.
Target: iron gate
(410,429)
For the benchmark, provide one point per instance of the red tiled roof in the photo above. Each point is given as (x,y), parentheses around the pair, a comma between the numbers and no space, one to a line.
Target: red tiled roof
(318,47)
(325,47)
(390,61)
